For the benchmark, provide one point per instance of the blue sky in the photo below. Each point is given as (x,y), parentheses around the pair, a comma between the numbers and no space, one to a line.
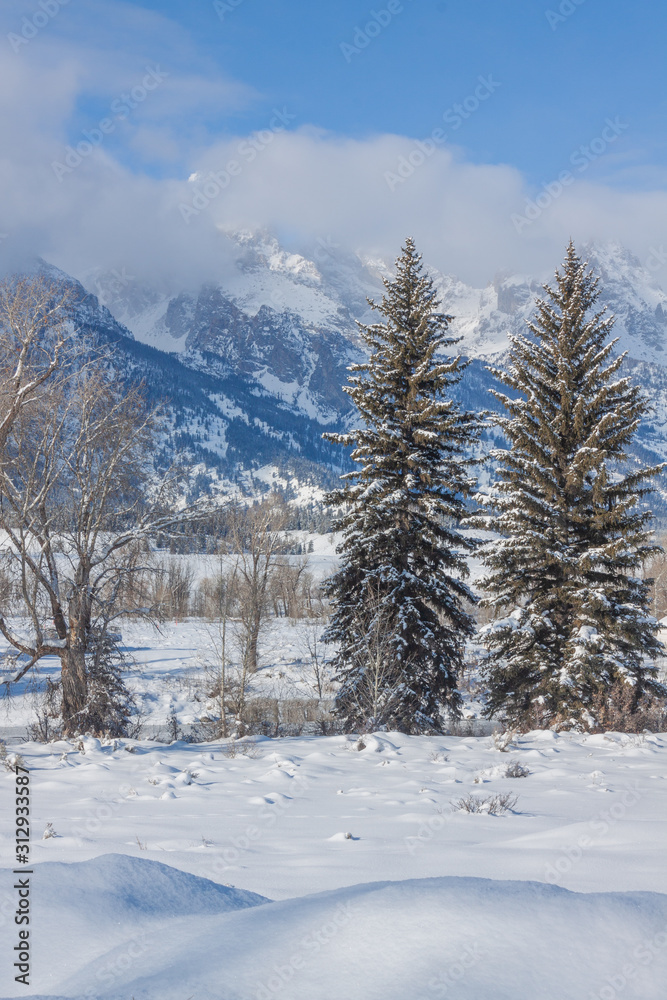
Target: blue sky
(560,75)
(573,86)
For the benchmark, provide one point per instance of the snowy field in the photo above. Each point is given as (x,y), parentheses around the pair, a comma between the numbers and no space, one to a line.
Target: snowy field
(329,867)
(167,673)
(325,868)
(169,667)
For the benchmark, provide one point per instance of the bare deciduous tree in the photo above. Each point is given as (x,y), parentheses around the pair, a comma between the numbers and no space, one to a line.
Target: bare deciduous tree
(379,687)
(257,537)
(228,685)
(75,503)
(310,639)
(289,586)
(34,342)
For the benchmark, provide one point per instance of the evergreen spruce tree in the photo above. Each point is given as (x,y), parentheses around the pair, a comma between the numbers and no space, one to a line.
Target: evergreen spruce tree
(573,625)
(398,599)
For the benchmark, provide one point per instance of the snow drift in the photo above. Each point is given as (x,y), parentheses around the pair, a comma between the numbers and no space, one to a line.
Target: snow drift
(120,927)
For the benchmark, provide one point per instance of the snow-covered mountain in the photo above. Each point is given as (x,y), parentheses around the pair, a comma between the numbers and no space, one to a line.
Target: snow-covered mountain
(280,319)
(485,317)
(253,363)
(291,297)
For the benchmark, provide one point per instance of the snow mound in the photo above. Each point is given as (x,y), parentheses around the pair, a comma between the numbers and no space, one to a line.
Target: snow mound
(127,889)
(460,937)
(82,910)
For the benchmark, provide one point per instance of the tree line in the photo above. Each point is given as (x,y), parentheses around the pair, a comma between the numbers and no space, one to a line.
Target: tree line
(563,529)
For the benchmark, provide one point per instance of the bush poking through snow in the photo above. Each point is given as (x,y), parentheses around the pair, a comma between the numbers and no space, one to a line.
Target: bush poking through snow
(493,805)
(10,761)
(233,748)
(504,741)
(515,769)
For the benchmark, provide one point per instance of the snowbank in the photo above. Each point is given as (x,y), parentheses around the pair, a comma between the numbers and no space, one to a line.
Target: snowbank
(171,936)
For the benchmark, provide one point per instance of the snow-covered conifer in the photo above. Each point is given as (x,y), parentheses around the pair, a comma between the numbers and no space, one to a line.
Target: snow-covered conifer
(572,615)
(399,615)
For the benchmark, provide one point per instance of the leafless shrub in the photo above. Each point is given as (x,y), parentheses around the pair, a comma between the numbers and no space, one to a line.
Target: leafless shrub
(286,587)
(504,741)
(217,596)
(619,711)
(10,761)
(462,727)
(47,724)
(315,655)
(515,769)
(493,805)
(246,748)
(262,717)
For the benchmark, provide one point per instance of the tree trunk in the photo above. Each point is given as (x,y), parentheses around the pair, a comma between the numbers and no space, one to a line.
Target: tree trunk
(74,688)
(252,644)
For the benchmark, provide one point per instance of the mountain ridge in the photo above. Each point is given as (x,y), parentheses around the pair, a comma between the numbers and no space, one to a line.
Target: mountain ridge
(254,365)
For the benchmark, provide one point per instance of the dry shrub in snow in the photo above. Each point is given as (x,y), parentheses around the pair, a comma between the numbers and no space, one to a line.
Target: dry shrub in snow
(619,711)
(504,741)
(516,770)
(493,805)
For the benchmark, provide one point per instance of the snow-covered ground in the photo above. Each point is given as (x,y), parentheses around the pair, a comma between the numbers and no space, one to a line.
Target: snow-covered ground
(381,886)
(169,672)
(328,867)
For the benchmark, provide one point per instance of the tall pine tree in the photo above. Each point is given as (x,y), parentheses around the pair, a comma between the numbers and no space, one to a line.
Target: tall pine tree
(573,626)
(398,599)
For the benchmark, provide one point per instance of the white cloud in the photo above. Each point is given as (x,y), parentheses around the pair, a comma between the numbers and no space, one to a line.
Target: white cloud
(301,181)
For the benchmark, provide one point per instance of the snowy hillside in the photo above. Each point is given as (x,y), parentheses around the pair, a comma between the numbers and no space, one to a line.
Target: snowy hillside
(254,362)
